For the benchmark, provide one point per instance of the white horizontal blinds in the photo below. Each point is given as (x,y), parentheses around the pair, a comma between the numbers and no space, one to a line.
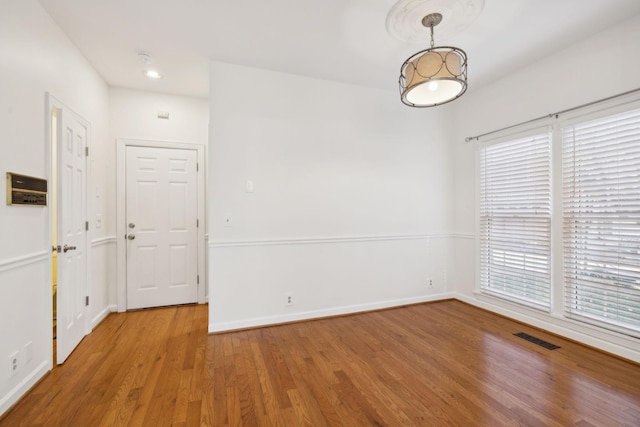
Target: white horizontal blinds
(601,194)
(515,220)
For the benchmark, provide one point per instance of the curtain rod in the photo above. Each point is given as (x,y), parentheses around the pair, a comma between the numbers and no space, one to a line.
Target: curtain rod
(477,137)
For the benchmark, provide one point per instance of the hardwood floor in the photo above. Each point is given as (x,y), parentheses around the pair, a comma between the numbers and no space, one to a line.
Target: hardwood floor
(435,364)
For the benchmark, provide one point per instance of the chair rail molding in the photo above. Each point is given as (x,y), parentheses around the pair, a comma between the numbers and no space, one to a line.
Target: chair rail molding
(325,240)
(21,261)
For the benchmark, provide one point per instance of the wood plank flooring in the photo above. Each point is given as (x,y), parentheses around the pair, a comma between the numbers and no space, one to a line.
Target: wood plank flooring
(438,364)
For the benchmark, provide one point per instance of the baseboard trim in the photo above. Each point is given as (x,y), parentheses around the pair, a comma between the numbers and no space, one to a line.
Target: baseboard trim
(608,342)
(16,393)
(258,322)
(103,315)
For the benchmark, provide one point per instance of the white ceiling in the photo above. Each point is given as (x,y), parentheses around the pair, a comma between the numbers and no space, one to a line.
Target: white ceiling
(341,40)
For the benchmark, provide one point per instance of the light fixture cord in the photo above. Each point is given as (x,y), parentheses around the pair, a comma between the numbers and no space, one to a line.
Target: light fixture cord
(431,36)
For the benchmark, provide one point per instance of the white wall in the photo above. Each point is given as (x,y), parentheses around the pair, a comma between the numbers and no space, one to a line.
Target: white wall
(351,208)
(581,74)
(35,58)
(133,115)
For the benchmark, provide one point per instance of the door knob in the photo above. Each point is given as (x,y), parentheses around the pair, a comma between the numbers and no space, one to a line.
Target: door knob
(131,236)
(66,248)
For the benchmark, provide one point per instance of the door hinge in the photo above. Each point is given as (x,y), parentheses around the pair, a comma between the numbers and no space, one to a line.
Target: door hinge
(198,279)
(86,151)
(86,300)
(86,225)
(197,223)
(197,167)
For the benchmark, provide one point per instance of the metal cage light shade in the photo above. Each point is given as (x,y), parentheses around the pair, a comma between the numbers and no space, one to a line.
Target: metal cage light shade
(433,76)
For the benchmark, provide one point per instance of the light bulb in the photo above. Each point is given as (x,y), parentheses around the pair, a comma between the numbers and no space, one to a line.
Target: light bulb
(152,74)
(433,86)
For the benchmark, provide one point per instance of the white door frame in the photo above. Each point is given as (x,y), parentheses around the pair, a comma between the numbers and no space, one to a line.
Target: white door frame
(121,227)
(51,103)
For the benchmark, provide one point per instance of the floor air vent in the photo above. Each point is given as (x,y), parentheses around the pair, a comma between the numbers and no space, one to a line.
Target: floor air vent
(538,341)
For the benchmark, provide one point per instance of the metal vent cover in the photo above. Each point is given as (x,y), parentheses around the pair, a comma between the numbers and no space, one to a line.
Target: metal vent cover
(537,341)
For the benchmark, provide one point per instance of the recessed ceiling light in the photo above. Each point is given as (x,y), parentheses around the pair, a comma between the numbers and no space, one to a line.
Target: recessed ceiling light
(152,74)
(147,62)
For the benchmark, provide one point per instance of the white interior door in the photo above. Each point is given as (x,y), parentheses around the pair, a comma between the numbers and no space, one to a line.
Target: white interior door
(71,231)
(161,216)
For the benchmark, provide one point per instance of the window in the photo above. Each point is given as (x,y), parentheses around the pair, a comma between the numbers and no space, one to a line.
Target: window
(601,220)
(515,220)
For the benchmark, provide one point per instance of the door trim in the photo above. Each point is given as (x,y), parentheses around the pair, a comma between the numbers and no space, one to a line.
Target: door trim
(121,228)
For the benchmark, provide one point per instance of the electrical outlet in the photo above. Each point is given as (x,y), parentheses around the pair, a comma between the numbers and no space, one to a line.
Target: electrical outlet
(288,299)
(429,283)
(13,364)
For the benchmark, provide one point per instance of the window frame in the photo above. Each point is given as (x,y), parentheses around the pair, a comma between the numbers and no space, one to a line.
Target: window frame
(502,138)
(592,111)
(577,119)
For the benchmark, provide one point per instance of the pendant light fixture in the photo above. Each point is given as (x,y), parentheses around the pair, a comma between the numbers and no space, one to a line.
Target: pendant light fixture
(433,76)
